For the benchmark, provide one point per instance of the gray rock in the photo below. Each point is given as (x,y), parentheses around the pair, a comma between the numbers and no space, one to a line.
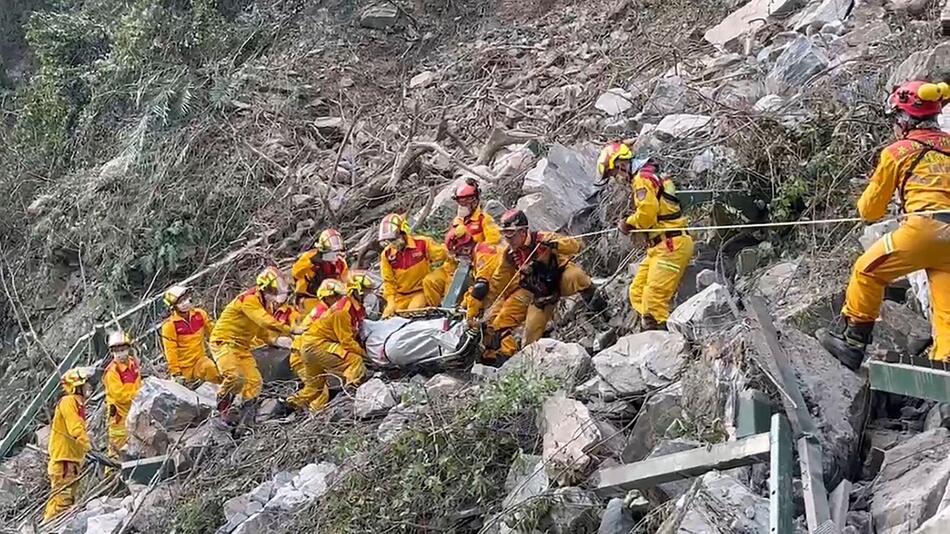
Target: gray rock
(670,491)
(106,523)
(526,480)
(379,17)
(565,363)
(747,261)
(716,160)
(911,7)
(659,412)
(923,65)
(569,432)
(703,315)
(572,511)
(422,80)
(484,372)
(328,124)
(617,519)
(613,440)
(637,364)
(769,104)
(820,12)
(833,28)
(706,278)
(861,522)
(939,416)
(669,96)
(720,505)
(728,33)
(682,126)
(162,406)
(739,94)
(442,386)
(308,484)
(797,64)
(376,397)
(258,523)
(557,188)
(614,102)
(395,422)
(911,483)
(898,328)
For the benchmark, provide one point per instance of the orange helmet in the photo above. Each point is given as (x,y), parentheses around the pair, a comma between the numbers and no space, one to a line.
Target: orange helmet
(920,100)
(458,238)
(610,155)
(330,240)
(513,219)
(467,192)
(391,226)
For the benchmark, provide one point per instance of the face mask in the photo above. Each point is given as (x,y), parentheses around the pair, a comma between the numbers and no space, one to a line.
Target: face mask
(276,298)
(121,355)
(184,306)
(464,211)
(330,256)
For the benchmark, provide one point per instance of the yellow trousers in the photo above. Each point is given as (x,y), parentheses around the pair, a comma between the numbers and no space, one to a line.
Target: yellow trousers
(919,243)
(64,486)
(659,275)
(434,286)
(117,431)
(204,369)
(519,308)
(312,365)
(408,301)
(239,372)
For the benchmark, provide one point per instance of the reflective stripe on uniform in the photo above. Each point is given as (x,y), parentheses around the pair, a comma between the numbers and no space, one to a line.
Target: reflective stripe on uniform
(888,243)
(668,265)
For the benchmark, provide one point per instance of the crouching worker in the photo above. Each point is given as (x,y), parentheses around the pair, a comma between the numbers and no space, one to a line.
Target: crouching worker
(330,345)
(329,293)
(184,335)
(539,265)
(405,261)
(484,257)
(327,259)
(248,317)
(668,251)
(121,381)
(917,167)
(68,442)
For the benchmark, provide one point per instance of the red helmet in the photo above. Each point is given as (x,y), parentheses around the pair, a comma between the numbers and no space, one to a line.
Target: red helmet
(458,238)
(513,219)
(920,100)
(467,192)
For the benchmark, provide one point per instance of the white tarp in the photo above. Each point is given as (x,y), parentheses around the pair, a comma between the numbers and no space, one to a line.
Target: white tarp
(401,342)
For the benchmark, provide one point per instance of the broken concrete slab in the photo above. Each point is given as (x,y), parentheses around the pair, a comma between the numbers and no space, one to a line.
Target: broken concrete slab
(566,363)
(704,314)
(637,364)
(569,433)
(912,482)
(557,188)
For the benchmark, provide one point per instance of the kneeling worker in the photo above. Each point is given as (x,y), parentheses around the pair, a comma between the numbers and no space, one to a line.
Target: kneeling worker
(184,334)
(405,261)
(68,442)
(331,344)
(540,265)
(669,251)
(917,167)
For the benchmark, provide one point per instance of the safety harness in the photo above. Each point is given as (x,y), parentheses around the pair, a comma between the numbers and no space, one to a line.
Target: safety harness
(927,147)
(661,193)
(542,279)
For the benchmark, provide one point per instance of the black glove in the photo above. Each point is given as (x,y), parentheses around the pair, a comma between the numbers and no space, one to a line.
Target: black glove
(545,301)
(480,289)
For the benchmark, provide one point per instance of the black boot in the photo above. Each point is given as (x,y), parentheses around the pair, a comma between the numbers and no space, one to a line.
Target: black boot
(649,323)
(848,346)
(595,302)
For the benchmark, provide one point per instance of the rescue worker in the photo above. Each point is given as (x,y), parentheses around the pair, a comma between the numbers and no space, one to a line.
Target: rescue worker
(68,442)
(480,225)
(537,269)
(460,245)
(121,381)
(249,316)
(184,334)
(657,209)
(917,167)
(330,345)
(329,293)
(326,260)
(405,261)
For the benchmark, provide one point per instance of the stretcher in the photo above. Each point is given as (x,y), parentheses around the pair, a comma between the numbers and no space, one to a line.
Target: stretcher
(423,340)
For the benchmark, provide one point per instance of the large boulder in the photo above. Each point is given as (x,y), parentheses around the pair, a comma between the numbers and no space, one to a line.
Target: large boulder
(660,411)
(566,363)
(719,504)
(799,61)
(704,314)
(752,16)
(526,480)
(669,96)
(682,126)
(161,407)
(637,364)
(557,188)
(899,328)
(911,483)
(819,13)
(926,64)
(569,433)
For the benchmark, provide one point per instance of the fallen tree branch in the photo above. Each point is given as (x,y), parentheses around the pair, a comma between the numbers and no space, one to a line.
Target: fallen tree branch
(499,139)
(418,148)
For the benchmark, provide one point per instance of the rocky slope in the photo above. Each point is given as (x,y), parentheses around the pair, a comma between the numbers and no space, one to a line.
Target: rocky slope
(256,124)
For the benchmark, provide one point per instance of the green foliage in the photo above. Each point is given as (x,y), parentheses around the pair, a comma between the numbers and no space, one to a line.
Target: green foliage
(199,516)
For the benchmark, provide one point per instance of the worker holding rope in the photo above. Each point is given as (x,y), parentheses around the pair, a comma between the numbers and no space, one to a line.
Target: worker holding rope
(658,211)
(917,167)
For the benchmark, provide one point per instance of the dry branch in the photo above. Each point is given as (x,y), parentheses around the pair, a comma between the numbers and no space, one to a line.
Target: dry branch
(499,139)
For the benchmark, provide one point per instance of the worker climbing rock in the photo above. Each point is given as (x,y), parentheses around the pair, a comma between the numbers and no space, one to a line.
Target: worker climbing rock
(68,442)
(405,261)
(121,381)
(184,334)
(539,266)
(329,293)
(327,259)
(249,316)
(917,168)
(480,225)
(330,345)
(657,212)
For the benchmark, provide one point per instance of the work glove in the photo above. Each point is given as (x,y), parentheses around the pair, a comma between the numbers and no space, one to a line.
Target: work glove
(624,227)
(545,301)
(180,380)
(284,342)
